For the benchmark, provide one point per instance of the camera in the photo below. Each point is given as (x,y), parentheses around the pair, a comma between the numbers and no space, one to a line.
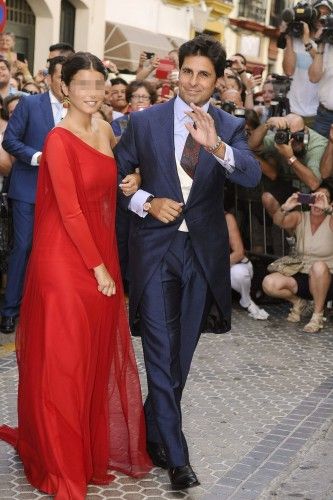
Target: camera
(282,136)
(327,33)
(301,12)
(231,108)
(150,55)
(306,199)
(280,104)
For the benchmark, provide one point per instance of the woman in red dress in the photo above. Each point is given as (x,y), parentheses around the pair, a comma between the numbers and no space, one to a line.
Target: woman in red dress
(79,403)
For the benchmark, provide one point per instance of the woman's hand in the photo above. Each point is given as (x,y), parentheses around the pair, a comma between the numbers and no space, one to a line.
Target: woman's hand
(130,184)
(106,285)
(291,203)
(321,201)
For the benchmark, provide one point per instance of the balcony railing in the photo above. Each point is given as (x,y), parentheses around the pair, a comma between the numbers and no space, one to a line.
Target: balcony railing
(255,10)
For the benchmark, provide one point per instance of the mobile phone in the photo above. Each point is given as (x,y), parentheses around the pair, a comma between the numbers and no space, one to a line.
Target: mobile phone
(20,56)
(150,55)
(165,90)
(306,198)
(257,70)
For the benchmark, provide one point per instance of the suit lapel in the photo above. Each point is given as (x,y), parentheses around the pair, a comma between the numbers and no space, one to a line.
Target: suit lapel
(163,139)
(206,160)
(46,109)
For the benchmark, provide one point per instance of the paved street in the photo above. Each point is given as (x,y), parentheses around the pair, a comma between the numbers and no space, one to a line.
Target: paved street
(258,414)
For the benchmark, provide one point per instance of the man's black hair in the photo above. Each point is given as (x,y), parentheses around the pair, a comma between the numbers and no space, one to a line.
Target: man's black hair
(118,81)
(53,63)
(62,46)
(208,46)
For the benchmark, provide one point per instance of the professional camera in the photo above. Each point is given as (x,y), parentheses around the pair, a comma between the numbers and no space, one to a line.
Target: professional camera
(231,108)
(280,104)
(282,136)
(327,33)
(302,12)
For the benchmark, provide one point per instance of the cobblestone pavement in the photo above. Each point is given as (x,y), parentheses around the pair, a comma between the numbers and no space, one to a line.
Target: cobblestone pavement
(258,411)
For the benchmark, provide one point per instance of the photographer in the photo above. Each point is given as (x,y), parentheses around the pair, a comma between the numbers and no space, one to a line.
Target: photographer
(294,149)
(297,57)
(321,71)
(326,164)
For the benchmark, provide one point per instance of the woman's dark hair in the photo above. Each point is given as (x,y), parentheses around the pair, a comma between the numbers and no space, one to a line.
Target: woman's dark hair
(238,54)
(6,101)
(137,84)
(328,185)
(251,118)
(205,45)
(79,61)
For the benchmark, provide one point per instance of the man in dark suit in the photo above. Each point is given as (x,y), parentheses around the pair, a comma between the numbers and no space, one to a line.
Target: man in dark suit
(24,137)
(179,248)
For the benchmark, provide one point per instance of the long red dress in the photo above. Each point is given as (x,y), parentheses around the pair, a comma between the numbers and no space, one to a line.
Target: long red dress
(80,412)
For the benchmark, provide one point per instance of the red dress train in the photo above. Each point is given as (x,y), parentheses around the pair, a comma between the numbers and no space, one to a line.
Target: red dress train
(80,411)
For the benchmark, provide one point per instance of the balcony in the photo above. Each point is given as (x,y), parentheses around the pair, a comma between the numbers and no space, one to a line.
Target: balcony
(254,11)
(220,8)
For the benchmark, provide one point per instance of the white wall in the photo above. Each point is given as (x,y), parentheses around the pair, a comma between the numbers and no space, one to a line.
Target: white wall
(150,15)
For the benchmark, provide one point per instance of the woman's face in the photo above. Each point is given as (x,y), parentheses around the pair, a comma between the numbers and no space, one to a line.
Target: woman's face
(319,201)
(6,42)
(86,91)
(140,99)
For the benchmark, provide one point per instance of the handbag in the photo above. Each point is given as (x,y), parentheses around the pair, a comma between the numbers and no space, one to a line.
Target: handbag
(288,265)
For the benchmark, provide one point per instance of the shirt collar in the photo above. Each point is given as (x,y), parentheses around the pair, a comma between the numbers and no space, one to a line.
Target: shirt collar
(180,107)
(53,98)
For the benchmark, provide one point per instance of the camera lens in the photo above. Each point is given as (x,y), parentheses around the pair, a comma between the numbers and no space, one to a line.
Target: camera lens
(282,136)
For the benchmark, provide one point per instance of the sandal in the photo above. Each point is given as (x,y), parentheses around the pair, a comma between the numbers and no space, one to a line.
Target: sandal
(316,323)
(300,308)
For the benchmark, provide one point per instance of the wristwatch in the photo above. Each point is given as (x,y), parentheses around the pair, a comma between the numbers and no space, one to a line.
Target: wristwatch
(291,160)
(147,203)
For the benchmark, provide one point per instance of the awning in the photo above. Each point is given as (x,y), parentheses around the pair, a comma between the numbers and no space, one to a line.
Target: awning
(123,44)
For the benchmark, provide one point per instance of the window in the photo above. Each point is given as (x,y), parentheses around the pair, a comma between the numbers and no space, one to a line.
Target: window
(67,22)
(254,10)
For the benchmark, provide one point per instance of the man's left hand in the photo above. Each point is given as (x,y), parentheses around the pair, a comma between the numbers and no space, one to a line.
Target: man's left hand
(203,127)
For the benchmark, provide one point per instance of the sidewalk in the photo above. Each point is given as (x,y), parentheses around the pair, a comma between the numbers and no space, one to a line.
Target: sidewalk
(258,416)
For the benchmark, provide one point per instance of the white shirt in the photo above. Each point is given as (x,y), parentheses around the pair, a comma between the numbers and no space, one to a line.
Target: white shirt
(58,112)
(180,136)
(326,81)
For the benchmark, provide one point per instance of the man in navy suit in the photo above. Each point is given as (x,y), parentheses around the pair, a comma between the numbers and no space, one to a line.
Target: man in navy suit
(24,137)
(179,248)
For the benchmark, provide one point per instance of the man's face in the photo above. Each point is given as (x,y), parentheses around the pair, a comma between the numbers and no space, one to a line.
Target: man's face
(268,93)
(118,97)
(55,83)
(197,79)
(4,74)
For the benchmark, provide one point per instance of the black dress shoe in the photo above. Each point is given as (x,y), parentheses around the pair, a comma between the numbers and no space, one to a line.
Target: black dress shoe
(183,477)
(157,454)
(8,324)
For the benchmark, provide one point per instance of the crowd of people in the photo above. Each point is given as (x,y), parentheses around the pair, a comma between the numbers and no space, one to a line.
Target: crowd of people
(184,131)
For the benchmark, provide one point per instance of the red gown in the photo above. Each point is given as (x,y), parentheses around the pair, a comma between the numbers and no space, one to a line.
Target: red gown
(80,411)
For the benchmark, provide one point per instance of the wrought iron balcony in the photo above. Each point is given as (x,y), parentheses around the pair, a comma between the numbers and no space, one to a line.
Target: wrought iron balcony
(255,10)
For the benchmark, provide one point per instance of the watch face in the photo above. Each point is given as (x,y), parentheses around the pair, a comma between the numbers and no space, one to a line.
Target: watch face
(146,206)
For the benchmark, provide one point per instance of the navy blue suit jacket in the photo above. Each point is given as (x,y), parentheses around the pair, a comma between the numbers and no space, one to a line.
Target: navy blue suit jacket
(24,136)
(148,142)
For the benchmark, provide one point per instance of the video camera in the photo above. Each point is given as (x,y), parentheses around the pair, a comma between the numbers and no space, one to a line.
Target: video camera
(280,104)
(231,108)
(327,33)
(301,12)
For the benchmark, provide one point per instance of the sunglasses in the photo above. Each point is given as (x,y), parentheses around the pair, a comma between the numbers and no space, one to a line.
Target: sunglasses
(30,92)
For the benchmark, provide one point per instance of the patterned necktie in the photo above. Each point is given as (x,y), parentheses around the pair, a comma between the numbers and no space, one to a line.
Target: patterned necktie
(190,156)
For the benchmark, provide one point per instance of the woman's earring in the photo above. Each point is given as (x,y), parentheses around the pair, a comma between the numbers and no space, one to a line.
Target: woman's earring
(66,102)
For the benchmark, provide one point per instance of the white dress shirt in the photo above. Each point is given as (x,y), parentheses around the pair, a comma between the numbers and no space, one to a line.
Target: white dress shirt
(180,136)
(59,112)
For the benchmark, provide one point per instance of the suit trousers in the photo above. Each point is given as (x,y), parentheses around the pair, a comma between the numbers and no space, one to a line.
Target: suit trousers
(23,221)
(173,307)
